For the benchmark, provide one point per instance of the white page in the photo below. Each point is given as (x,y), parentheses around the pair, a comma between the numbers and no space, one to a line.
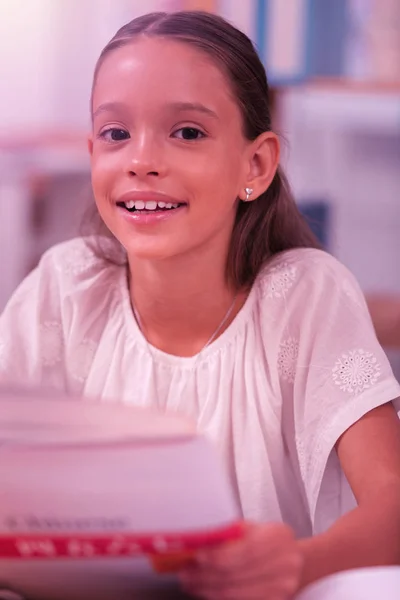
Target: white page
(373,583)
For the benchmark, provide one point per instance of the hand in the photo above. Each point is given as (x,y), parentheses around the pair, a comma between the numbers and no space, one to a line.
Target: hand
(265,564)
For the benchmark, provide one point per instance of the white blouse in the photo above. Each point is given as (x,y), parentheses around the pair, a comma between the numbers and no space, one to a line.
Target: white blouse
(298,366)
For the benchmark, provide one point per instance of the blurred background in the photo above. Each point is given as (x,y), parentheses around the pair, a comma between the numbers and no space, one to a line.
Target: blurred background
(334,69)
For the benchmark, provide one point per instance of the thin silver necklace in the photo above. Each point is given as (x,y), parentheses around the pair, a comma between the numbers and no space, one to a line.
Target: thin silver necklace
(196,357)
(209,341)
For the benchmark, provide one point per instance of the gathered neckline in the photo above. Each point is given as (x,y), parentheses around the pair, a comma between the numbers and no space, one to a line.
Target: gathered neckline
(221,342)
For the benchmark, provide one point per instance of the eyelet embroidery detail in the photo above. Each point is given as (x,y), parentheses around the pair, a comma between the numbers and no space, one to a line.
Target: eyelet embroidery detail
(287,359)
(78,260)
(356,371)
(279,280)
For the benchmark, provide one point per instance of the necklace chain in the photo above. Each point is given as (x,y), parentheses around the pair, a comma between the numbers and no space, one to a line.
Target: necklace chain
(209,341)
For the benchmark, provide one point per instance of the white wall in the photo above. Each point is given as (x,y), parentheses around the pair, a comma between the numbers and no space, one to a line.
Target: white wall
(27,63)
(48,52)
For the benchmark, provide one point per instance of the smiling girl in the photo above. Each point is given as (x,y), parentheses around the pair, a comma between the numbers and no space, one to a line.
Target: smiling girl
(205,293)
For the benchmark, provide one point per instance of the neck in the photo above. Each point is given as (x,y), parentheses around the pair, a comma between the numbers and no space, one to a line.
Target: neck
(181,301)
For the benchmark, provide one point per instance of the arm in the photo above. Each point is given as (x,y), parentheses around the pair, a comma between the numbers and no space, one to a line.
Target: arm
(369,453)
(385,313)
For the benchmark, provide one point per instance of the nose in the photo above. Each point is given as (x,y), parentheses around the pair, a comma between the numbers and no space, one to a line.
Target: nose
(145,157)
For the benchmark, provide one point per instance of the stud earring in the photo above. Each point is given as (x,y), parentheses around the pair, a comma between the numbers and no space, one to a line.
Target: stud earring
(249,192)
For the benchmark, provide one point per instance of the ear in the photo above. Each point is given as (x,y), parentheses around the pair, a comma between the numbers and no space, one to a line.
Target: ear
(263,161)
(90,144)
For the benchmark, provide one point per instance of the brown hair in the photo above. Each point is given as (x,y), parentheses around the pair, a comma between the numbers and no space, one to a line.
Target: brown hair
(271,223)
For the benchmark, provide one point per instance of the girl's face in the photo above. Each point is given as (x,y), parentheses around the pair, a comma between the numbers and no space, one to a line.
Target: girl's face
(166,131)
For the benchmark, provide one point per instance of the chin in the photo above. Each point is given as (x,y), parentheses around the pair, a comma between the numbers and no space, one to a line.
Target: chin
(151,251)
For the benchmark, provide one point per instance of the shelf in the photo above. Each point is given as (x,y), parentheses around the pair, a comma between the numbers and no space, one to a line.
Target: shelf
(50,151)
(346,106)
(52,138)
(348,85)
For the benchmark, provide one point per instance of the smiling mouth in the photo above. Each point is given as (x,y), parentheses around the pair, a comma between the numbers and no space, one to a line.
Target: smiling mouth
(140,206)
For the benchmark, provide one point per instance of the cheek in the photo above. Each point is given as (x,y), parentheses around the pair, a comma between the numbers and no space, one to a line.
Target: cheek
(220,175)
(212,168)
(102,174)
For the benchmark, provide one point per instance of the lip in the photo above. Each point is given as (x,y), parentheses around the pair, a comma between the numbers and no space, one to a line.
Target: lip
(151,217)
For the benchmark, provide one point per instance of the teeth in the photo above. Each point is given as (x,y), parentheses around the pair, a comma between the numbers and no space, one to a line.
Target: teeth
(150,205)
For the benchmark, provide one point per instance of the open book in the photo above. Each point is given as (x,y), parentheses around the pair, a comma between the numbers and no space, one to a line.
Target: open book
(100,500)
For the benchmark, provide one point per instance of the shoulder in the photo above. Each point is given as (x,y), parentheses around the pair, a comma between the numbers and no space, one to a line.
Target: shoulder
(69,275)
(305,272)
(75,264)
(81,255)
(52,323)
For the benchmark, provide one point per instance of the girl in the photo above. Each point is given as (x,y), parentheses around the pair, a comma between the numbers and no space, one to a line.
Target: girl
(211,298)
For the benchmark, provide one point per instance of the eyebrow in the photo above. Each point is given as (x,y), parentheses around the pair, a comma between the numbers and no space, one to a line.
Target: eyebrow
(108,107)
(193,106)
(176,106)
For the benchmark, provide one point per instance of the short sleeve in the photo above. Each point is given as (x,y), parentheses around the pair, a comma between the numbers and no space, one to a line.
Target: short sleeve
(337,373)
(31,331)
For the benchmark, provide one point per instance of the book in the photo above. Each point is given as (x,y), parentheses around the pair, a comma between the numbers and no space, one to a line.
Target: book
(102,500)
(301,39)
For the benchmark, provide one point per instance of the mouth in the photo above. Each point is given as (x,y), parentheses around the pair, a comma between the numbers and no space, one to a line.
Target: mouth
(149,206)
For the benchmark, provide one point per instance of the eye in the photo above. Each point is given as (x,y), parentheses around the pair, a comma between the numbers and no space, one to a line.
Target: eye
(114,134)
(188,133)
